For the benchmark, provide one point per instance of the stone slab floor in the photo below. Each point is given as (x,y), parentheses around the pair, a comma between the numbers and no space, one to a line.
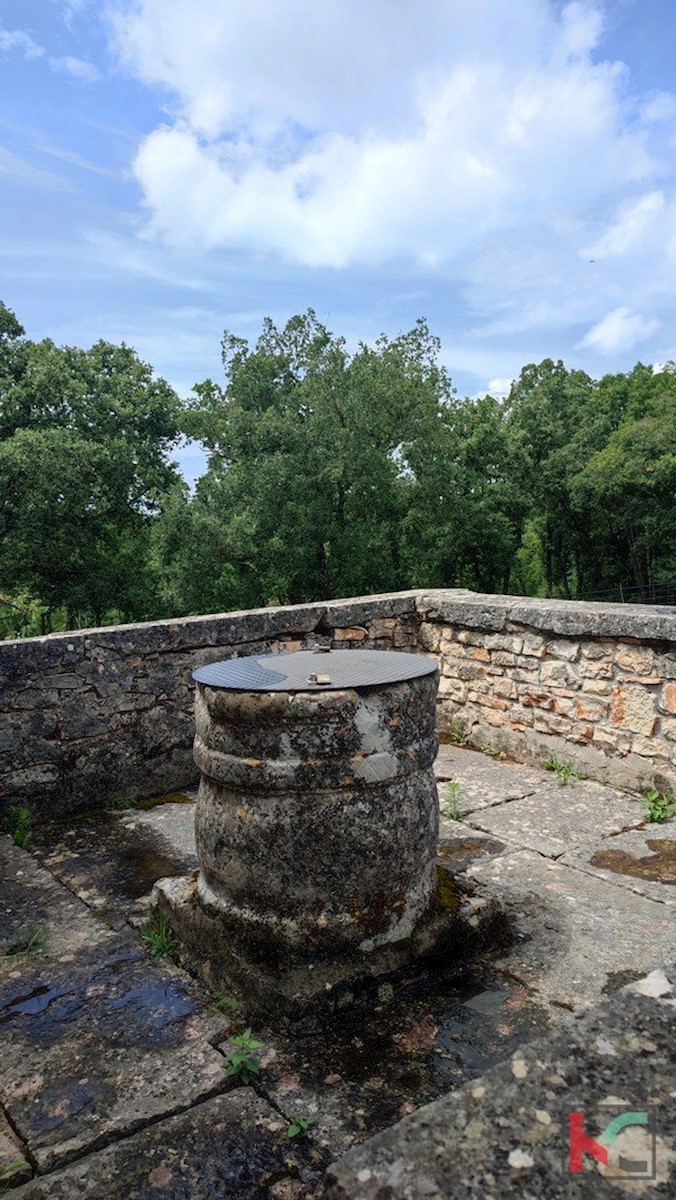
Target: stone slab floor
(113,1075)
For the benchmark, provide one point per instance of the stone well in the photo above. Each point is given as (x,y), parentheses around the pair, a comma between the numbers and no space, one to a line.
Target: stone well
(317,814)
(316,827)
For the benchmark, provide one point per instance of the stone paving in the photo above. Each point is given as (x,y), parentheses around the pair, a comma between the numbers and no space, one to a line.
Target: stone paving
(113,1075)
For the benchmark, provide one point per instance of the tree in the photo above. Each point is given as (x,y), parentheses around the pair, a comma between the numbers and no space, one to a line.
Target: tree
(84,443)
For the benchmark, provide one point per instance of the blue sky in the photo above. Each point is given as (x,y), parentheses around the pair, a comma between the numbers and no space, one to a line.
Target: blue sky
(507,170)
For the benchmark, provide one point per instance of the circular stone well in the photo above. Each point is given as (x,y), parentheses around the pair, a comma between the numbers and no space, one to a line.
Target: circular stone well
(317,815)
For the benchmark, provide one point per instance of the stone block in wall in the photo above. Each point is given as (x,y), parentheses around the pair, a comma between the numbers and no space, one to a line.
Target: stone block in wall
(638,660)
(350,633)
(667,700)
(650,747)
(562,648)
(557,673)
(601,648)
(533,646)
(634,708)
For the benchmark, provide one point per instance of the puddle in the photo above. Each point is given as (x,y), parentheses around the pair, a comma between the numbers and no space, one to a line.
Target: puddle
(660,866)
(109,860)
(156,801)
(367,1069)
(120,999)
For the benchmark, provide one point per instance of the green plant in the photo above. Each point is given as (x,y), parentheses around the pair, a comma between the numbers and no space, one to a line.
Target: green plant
(564,771)
(450,807)
(229,1005)
(659,806)
(386,993)
(457,732)
(17,823)
(494,751)
(31,939)
(122,802)
(299,1126)
(242,1062)
(7,1172)
(159,937)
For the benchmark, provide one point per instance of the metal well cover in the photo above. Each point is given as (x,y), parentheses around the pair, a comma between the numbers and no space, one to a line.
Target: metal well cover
(335,669)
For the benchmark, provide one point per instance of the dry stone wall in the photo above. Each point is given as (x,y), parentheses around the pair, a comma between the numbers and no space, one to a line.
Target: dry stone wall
(90,716)
(587,683)
(93,716)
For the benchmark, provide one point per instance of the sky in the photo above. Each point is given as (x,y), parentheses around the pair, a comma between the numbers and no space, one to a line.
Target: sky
(506,169)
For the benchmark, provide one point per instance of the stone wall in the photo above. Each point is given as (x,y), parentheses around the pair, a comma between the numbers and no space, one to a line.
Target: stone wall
(589,683)
(92,716)
(89,716)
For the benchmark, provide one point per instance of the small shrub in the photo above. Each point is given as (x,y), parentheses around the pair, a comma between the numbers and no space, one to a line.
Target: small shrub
(386,993)
(457,732)
(159,937)
(242,1061)
(17,823)
(299,1126)
(564,771)
(450,807)
(659,806)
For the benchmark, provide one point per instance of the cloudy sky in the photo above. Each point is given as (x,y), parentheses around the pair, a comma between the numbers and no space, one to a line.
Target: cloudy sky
(506,168)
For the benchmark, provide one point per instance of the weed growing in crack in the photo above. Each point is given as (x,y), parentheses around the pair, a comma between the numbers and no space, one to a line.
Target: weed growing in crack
(17,823)
(659,806)
(242,1063)
(457,732)
(230,1006)
(564,771)
(386,993)
(299,1126)
(159,937)
(450,807)
(489,748)
(122,802)
(31,939)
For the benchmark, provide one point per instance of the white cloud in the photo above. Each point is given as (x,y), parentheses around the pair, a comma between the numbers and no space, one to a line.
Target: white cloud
(18,39)
(334,135)
(620,330)
(79,68)
(633,222)
(500,387)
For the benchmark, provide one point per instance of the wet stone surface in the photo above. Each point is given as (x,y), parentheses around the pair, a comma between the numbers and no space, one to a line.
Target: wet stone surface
(365,1070)
(233,1147)
(111,860)
(643,860)
(98,1043)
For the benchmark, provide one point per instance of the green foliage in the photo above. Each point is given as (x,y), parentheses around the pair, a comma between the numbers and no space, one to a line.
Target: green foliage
(331,473)
(84,442)
(159,937)
(385,993)
(122,802)
(230,1006)
(659,806)
(31,939)
(299,1126)
(493,751)
(17,823)
(457,732)
(564,771)
(450,807)
(242,1062)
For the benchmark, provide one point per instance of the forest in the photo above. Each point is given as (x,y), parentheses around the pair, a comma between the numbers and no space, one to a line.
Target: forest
(330,473)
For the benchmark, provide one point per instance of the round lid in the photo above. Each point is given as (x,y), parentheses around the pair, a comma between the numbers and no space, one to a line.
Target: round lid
(314,670)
